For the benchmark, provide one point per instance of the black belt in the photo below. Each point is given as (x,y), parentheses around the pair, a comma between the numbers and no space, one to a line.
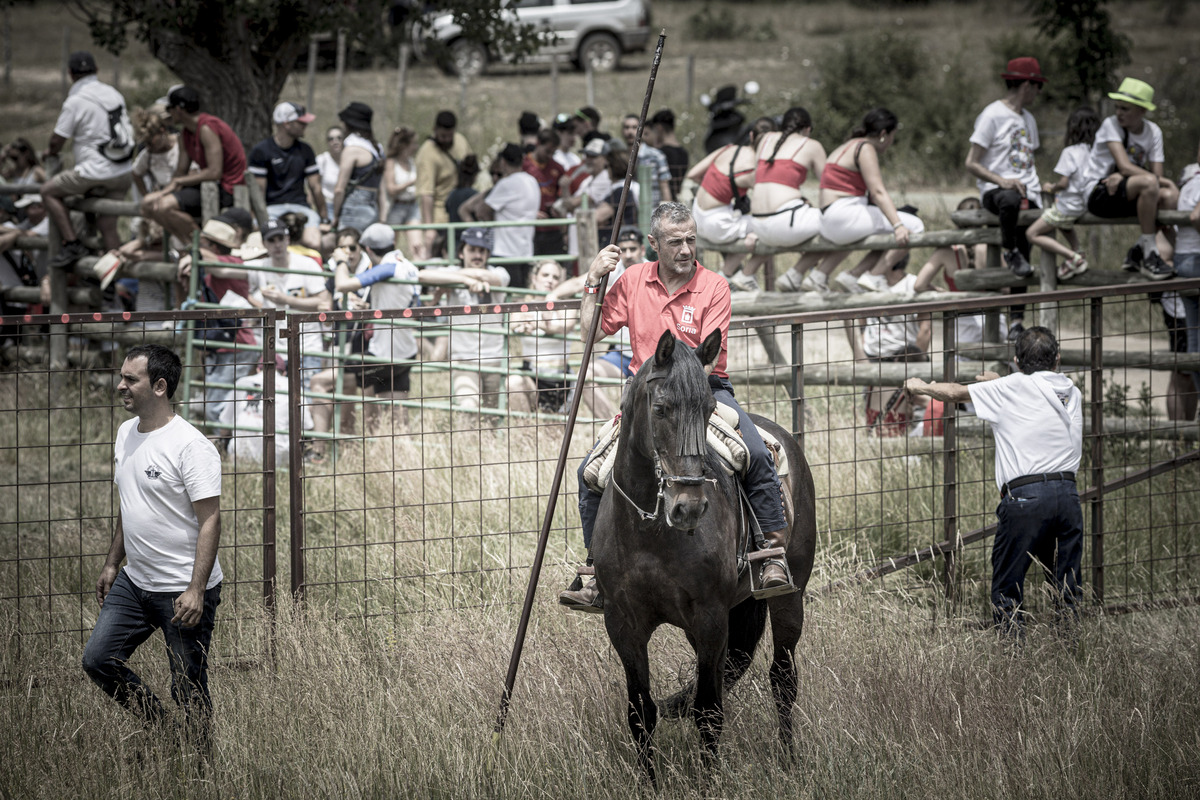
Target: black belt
(1025,480)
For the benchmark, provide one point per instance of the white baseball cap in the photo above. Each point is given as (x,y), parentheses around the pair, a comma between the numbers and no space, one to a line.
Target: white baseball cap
(291,112)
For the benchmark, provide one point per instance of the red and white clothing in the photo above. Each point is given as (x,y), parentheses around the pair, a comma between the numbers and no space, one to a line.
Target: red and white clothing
(639,300)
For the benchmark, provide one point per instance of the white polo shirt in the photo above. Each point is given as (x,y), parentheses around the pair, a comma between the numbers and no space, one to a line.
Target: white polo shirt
(1037,421)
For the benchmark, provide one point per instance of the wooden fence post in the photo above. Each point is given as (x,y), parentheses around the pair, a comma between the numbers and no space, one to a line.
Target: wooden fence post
(690,85)
(401,79)
(66,57)
(553,88)
(312,71)
(340,69)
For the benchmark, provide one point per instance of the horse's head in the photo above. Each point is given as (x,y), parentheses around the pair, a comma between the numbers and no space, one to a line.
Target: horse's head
(672,402)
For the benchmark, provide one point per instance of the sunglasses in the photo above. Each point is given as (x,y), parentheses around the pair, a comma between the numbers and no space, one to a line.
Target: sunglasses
(333,138)
(351,248)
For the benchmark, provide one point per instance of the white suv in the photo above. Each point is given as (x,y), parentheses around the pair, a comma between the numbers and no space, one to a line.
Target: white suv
(595,32)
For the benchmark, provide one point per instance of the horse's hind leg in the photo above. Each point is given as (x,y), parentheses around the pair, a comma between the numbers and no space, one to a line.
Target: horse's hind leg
(747,621)
(708,709)
(630,643)
(787,621)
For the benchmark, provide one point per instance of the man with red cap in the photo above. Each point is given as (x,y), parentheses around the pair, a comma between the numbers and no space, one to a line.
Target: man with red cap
(1001,159)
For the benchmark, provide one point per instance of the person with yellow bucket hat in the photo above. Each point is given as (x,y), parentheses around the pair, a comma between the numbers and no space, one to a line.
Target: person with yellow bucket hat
(1125,174)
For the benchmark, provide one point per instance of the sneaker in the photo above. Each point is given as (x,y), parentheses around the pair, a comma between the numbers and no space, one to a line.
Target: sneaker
(68,254)
(1014,331)
(815,281)
(872,283)
(1070,267)
(1154,268)
(848,283)
(742,282)
(1017,263)
(789,282)
(1133,259)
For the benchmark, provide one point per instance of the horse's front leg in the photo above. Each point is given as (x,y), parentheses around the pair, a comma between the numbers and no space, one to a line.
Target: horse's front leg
(630,641)
(708,710)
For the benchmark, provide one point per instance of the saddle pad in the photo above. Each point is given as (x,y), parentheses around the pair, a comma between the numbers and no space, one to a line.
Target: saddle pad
(723,437)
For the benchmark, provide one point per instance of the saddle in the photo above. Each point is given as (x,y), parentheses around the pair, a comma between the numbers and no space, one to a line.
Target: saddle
(724,436)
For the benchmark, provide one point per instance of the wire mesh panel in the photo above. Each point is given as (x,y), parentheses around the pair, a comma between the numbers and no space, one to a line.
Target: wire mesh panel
(58,502)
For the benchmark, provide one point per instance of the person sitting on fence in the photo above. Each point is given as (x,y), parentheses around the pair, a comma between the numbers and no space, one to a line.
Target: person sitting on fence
(19,267)
(284,166)
(438,159)
(1037,419)
(1068,194)
(782,217)
(1124,175)
(678,292)
(477,348)
(1187,253)
(210,144)
(300,289)
(1001,158)
(855,204)
(329,162)
(94,119)
(20,163)
(296,225)
(721,206)
(613,364)
(544,346)
(899,338)
(356,196)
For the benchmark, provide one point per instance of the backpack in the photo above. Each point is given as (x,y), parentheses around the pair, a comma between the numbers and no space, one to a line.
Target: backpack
(121,144)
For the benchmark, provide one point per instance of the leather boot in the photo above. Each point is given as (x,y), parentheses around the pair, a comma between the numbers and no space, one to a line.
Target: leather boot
(775,575)
(585,599)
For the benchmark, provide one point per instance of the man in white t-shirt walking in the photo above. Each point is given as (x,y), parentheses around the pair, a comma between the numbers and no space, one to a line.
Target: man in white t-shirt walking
(1124,174)
(515,197)
(1001,158)
(84,120)
(1037,418)
(168,527)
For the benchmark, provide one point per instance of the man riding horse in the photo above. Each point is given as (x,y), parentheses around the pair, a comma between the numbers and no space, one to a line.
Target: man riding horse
(676,293)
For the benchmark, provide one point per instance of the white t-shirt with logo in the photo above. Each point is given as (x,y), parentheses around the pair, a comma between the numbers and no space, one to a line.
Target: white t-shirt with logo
(1037,420)
(159,475)
(1009,141)
(1072,163)
(84,120)
(515,197)
(1143,149)
(394,342)
(310,284)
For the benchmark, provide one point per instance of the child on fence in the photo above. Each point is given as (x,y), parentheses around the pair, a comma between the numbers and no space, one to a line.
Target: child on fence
(1069,202)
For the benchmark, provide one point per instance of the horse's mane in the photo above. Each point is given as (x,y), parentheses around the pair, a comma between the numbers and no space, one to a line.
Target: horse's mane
(685,387)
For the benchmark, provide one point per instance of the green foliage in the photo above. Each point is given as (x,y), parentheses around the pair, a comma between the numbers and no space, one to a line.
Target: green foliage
(897,71)
(1083,49)
(709,24)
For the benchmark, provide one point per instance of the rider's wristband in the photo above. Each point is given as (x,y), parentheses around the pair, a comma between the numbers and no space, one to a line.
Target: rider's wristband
(589,289)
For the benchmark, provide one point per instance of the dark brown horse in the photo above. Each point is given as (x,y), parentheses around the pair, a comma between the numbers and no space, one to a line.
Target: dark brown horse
(667,549)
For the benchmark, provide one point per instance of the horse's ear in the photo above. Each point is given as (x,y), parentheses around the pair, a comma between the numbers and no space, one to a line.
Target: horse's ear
(710,348)
(664,350)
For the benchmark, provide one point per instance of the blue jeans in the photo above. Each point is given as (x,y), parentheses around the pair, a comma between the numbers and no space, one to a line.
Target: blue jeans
(761,481)
(128,617)
(359,209)
(1042,521)
(1187,265)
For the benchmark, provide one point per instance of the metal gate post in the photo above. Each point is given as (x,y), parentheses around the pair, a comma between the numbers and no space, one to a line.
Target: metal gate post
(269,467)
(798,383)
(1097,376)
(295,454)
(950,458)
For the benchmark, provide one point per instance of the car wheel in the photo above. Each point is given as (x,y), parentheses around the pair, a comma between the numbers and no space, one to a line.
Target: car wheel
(465,57)
(601,50)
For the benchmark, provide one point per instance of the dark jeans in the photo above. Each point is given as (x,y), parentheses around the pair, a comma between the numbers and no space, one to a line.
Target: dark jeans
(1042,521)
(1006,204)
(761,481)
(128,617)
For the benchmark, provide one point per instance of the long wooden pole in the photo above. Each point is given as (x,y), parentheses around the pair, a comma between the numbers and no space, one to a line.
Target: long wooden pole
(535,571)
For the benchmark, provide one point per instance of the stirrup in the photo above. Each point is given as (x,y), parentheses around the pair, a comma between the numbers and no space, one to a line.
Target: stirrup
(588,608)
(776,554)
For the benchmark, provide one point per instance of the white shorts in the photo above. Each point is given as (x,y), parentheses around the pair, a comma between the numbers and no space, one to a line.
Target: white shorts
(720,225)
(794,222)
(849,219)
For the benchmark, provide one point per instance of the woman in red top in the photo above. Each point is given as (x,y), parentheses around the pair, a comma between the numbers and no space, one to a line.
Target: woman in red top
(719,219)
(782,216)
(856,204)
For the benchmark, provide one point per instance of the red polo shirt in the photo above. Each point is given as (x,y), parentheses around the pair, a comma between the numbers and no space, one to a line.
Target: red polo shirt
(639,300)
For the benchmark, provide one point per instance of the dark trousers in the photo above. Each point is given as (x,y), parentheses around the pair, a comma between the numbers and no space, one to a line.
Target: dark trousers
(1042,521)
(128,617)
(1006,204)
(761,481)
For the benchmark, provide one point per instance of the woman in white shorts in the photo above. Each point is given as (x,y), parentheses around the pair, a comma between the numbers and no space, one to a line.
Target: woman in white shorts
(781,215)
(721,216)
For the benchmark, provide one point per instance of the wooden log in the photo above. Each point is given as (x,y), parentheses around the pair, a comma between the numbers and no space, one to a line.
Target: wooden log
(88,296)
(1082,357)
(977,218)
(134,333)
(993,280)
(160,271)
(1154,428)
(860,373)
(763,304)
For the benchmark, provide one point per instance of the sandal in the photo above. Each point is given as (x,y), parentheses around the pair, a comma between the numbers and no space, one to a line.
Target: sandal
(1070,267)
